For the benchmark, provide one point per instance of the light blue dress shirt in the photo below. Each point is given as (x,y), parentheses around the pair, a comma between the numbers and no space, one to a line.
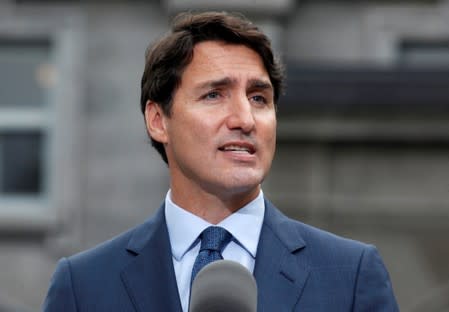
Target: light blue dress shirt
(184,229)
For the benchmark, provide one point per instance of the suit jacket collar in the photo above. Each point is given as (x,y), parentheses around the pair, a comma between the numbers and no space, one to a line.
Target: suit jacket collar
(150,278)
(281,268)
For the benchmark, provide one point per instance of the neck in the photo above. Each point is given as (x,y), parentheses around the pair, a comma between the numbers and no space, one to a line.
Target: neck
(210,206)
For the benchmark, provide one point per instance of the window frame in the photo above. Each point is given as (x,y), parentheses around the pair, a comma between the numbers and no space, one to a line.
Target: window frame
(61,123)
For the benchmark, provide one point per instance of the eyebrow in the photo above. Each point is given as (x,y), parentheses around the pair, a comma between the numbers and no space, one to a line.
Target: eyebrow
(259,84)
(226,81)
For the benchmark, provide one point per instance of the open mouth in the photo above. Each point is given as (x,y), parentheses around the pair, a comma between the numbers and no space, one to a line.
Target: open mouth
(238,148)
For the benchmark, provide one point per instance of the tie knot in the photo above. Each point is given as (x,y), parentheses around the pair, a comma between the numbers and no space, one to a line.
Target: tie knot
(215,238)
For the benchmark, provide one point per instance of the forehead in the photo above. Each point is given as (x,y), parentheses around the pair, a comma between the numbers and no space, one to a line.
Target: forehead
(216,60)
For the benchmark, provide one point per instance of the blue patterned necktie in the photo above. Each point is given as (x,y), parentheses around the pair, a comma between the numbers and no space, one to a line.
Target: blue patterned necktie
(213,240)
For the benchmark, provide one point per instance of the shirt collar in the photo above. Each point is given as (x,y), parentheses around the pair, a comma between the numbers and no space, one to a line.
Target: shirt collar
(184,227)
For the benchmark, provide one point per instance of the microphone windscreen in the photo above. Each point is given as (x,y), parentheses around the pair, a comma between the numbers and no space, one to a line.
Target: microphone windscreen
(223,286)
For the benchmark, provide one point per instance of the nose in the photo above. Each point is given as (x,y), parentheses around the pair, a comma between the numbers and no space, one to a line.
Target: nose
(241,116)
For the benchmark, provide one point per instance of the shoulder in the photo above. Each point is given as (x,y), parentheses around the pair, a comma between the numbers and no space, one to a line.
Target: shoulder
(87,279)
(103,252)
(353,270)
(320,245)
(120,249)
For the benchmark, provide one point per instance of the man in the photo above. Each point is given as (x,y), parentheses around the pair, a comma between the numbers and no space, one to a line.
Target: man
(209,93)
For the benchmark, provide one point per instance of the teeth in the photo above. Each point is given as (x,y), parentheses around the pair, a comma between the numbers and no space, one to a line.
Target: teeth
(236,148)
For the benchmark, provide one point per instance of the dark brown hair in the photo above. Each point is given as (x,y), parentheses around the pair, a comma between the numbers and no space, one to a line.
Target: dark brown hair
(166,59)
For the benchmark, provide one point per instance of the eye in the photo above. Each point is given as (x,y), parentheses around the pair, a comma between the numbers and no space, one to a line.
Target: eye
(260,99)
(213,95)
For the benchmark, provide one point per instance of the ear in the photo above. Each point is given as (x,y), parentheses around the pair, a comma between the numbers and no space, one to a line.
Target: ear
(155,122)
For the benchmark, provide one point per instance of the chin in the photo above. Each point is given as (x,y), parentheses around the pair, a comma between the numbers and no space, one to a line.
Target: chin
(238,180)
(245,183)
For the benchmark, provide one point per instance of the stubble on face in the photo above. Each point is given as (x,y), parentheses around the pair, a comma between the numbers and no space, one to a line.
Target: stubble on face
(222,129)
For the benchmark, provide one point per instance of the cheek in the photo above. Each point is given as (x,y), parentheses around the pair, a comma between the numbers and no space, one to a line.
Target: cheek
(269,130)
(270,141)
(192,132)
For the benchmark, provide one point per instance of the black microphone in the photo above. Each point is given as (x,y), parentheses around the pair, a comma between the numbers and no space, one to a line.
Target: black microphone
(223,286)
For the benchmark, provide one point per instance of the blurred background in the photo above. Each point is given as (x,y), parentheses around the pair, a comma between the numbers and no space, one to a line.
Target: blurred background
(363,133)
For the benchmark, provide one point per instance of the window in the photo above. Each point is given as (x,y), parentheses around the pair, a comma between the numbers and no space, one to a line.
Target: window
(41,93)
(26,82)
(425,52)
(21,167)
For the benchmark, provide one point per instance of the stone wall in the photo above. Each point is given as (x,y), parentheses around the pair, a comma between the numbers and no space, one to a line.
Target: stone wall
(375,178)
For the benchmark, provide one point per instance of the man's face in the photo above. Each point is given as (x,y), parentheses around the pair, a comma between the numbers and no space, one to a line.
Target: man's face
(221,135)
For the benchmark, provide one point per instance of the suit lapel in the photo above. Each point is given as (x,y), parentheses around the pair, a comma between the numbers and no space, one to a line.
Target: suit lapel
(149,278)
(280,270)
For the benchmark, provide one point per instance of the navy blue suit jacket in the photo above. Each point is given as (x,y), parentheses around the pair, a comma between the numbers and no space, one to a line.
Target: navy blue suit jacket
(298,268)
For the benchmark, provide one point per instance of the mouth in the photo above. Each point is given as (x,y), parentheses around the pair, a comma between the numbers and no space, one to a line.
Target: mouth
(238,147)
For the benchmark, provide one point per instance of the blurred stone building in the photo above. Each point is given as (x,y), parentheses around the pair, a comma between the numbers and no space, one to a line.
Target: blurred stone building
(363,134)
